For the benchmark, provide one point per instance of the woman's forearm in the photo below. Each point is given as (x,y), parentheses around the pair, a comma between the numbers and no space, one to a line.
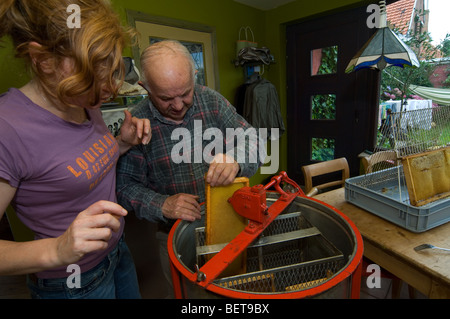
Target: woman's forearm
(18,258)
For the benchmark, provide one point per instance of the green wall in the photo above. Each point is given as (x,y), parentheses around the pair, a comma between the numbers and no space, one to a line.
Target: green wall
(226,16)
(12,71)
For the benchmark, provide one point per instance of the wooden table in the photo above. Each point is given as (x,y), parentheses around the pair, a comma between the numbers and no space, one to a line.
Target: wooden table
(392,247)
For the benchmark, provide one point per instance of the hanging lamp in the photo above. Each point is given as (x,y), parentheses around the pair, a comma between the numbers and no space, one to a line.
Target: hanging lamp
(384,49)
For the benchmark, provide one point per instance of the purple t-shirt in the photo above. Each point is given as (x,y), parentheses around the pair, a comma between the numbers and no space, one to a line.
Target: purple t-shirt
(59,169)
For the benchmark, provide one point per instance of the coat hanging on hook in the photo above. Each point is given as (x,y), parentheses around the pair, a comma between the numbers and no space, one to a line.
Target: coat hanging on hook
(261,107)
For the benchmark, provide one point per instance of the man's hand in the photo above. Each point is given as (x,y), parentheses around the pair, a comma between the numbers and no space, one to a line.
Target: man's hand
(182,206)
(222,170)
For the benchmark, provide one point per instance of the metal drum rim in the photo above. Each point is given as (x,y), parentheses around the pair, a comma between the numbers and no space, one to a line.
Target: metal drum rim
(353,267)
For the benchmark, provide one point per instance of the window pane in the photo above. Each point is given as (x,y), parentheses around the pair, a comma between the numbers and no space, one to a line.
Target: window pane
(324,60)
(322,149)
(323,107)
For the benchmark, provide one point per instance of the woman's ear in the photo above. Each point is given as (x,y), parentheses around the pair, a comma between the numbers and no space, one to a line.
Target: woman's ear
(41,60)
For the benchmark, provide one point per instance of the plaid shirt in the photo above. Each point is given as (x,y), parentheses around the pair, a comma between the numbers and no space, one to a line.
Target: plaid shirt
(148,174)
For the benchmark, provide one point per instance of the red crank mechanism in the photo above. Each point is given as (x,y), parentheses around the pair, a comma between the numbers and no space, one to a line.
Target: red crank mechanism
(249,202)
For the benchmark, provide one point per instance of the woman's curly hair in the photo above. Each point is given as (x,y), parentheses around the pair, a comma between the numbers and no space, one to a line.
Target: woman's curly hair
(95,48)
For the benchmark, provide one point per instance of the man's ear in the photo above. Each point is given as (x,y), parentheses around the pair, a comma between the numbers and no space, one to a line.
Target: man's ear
(42,60)
(145,87)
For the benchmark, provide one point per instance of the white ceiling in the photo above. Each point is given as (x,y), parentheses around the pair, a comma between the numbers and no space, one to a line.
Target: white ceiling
(264,4)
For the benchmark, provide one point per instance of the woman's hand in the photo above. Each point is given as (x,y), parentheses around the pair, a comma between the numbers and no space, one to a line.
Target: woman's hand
(133,132)
(90,231)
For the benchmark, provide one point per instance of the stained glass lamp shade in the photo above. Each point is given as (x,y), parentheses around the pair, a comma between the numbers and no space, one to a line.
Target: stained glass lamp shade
(384,49)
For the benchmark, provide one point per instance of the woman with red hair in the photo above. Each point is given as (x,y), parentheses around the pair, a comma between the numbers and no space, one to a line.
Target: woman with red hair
(57,157)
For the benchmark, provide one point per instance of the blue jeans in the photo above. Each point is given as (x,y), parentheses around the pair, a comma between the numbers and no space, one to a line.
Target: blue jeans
(114,277)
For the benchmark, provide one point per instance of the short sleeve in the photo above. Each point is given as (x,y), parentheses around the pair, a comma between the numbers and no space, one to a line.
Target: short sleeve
(13,167)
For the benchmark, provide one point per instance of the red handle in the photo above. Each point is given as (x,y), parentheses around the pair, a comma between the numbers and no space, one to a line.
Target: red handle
(248,202)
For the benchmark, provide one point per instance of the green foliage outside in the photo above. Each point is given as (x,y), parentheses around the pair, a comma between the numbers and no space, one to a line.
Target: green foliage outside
(322,149)
(395,81)
(323,107)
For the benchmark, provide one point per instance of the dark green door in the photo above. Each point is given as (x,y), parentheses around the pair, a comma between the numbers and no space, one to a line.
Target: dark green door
(330,114)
